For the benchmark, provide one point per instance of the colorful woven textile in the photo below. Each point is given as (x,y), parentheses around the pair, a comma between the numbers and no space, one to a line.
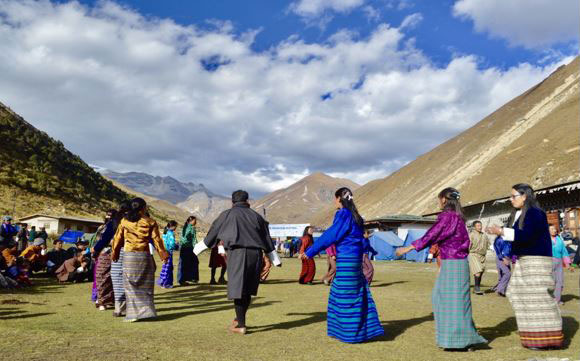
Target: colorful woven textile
(352,314)
(537,314)
(454,326)
(139,282)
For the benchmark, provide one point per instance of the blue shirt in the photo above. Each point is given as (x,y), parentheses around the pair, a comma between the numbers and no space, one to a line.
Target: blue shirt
(559,248)
(345,233)
(169,240)
(503,249)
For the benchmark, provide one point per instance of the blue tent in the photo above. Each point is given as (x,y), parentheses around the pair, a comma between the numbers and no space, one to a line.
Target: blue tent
(70,236)
(414,256)
(385,243)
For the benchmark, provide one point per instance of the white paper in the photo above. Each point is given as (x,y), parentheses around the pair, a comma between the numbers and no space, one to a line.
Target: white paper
(273,256)
(199,247)
(221,249)
(43,252)
(509,234)
(80,269)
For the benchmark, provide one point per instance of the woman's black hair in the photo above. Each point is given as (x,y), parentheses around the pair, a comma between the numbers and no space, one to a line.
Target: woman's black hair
(530,202)
(137,206)
(124,207)
(169,225)
(452,203)
(305,233)
(347,201)
(186,223)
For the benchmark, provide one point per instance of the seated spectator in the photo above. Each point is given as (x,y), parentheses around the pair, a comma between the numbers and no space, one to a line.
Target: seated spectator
(80,246)
(74,269)
(23,272)
(36,255)
(56,257)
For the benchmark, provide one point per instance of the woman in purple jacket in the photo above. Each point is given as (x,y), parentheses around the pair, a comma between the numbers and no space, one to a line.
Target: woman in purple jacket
(454,327)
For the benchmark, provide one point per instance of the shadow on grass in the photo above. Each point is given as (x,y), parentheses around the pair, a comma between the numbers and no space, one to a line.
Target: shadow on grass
(570,327)
(279,282)
(502,329)
(18,314)
(387,284)
(312,318)
(39,285)
(566,298)
(394,329)
(206,309)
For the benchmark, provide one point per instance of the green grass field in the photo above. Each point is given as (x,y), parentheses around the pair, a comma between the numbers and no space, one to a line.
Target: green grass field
(287,321)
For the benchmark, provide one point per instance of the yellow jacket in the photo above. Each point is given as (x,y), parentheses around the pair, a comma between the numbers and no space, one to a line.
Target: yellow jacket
(135,237)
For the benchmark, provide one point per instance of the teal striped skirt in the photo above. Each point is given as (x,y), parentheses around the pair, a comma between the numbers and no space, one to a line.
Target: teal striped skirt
(352,314)
(452,306)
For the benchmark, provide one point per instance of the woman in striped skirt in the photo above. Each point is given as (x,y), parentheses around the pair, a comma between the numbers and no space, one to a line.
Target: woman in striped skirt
(352,315)
(537,314)
(454,327)
(134,233)
(102,253)
(117,270)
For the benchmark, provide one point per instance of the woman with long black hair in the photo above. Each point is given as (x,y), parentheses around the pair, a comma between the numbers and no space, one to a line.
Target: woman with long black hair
(117,268)
(134,233)
(454,327)
(166,275)
(537,314)
(352,315)
(188,269)
(308,266)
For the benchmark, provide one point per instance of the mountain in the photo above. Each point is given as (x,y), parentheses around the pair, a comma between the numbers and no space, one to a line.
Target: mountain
(205,205)
(166,188)
(300,201)
(189,197)
(534,139)
(168,210)
(37,173)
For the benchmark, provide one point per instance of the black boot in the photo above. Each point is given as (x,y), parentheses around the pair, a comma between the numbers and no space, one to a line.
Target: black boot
(477,289)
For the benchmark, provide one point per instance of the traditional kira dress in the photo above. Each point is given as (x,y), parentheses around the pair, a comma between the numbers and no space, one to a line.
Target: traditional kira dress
(537,314)
(188,269)
(454,327)
(138,264)
(352,314)
(308,270)
(166,275)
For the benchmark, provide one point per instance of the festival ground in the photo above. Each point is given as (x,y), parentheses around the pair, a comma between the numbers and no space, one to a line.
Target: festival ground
(286,322)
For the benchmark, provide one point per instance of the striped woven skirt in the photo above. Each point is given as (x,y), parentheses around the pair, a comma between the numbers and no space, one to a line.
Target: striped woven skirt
(139,282)
(352,314)
(537,314)
(104,283)
(166,276)
(117,278)
(454,327)
(94,290)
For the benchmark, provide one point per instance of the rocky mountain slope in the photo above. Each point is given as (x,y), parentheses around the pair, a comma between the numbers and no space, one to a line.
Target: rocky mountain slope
(300,201)
(534,138)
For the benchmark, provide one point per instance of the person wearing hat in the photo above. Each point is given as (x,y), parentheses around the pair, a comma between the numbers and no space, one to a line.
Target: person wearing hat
(35,254)
(7,230)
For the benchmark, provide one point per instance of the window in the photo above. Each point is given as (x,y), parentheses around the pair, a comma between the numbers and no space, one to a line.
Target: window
(47,226)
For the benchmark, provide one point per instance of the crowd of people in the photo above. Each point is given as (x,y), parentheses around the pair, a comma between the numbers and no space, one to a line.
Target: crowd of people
(530,259)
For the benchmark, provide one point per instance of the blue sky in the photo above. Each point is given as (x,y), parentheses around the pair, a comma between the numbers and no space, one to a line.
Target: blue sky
(440,34)
(258,94)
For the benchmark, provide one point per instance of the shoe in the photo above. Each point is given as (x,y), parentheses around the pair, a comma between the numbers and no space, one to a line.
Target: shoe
(326,282)
(102,308)
(500,294)
(477,290)
(212,282)
(131,320)
(222,281)
(238,330)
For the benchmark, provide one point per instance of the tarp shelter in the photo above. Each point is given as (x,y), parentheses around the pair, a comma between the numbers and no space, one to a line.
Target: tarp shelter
(385,243)
(71,236)
(414,256)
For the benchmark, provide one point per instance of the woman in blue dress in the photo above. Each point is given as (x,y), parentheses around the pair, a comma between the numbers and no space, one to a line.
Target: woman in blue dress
(352,314)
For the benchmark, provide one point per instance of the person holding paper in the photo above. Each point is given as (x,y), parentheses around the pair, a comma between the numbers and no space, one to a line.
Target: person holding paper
(537,314)
(352,314)
(218,259)
(245,236)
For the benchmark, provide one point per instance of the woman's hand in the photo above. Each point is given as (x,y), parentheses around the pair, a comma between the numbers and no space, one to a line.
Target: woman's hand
(403,250)
(495,229)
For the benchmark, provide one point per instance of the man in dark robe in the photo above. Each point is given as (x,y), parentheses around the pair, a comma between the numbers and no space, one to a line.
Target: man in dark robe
(246,238)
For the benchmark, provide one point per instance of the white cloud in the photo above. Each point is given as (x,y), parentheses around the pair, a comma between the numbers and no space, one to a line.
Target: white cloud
(411,21)
(529,23)
(132,93)
(313,8)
